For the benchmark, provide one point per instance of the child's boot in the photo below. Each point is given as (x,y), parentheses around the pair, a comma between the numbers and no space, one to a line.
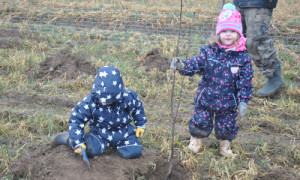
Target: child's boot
(60,139)
(195,144)
(225,148)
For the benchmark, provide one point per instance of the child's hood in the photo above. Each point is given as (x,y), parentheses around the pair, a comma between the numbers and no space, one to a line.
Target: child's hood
(108,85)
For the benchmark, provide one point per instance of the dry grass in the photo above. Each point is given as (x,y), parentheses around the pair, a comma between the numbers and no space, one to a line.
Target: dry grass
(120,11)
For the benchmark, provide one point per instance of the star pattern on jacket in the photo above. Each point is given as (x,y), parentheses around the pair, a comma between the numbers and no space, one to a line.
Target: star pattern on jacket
(100,119)
(110,121)
(103,74)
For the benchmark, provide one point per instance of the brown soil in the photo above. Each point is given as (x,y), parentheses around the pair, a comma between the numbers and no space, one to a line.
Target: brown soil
(11,38)
(37,99)
(153,59)
(277,174)
(65,65)
(61,162)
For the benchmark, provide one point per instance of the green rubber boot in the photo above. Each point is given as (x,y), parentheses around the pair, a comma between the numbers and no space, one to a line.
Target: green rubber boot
(60,139)
(273,85)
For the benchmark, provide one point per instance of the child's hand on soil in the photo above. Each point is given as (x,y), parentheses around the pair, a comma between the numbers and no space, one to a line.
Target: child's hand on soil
(77,148)
(139,132)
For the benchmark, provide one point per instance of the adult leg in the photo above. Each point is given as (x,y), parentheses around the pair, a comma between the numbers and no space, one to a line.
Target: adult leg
(261,48)
(244,25)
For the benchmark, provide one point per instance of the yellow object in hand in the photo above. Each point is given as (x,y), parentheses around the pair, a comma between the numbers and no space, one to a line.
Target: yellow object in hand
(78,148)
(139,132)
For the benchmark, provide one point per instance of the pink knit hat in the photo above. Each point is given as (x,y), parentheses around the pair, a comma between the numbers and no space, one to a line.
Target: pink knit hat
(229,19)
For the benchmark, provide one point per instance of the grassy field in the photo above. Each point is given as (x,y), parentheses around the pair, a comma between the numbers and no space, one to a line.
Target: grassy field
(33,109)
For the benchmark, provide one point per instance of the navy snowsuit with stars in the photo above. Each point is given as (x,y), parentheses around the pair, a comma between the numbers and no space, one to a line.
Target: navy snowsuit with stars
(226,81)
(110,125)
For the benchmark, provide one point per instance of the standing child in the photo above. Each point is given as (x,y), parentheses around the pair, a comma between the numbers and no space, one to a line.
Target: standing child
(225,85)
(109,109)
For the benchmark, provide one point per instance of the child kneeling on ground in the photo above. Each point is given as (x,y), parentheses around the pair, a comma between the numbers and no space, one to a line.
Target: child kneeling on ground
(226,82)
(109,109)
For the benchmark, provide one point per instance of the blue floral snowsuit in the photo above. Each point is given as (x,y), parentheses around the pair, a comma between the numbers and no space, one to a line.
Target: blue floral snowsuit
(109,124)
(226,81)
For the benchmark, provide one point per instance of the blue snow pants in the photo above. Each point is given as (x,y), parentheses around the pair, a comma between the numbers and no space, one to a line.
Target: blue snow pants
(124,139)
(201,124)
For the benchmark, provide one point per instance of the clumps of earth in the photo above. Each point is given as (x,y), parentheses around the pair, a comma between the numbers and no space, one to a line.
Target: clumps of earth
(153,59)
(65,65)
(46,162)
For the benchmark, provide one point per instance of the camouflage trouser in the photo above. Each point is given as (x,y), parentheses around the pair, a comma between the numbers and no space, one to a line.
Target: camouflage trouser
(260,46)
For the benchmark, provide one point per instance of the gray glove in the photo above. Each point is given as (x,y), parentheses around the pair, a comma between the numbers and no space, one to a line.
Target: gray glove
(176,64)
(242,109)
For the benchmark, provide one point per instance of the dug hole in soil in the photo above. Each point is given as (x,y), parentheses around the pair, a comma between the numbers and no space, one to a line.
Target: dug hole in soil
(46,162)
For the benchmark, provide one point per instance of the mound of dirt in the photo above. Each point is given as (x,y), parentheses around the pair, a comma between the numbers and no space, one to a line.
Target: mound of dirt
(65,65)
(153,59)
(62,163)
